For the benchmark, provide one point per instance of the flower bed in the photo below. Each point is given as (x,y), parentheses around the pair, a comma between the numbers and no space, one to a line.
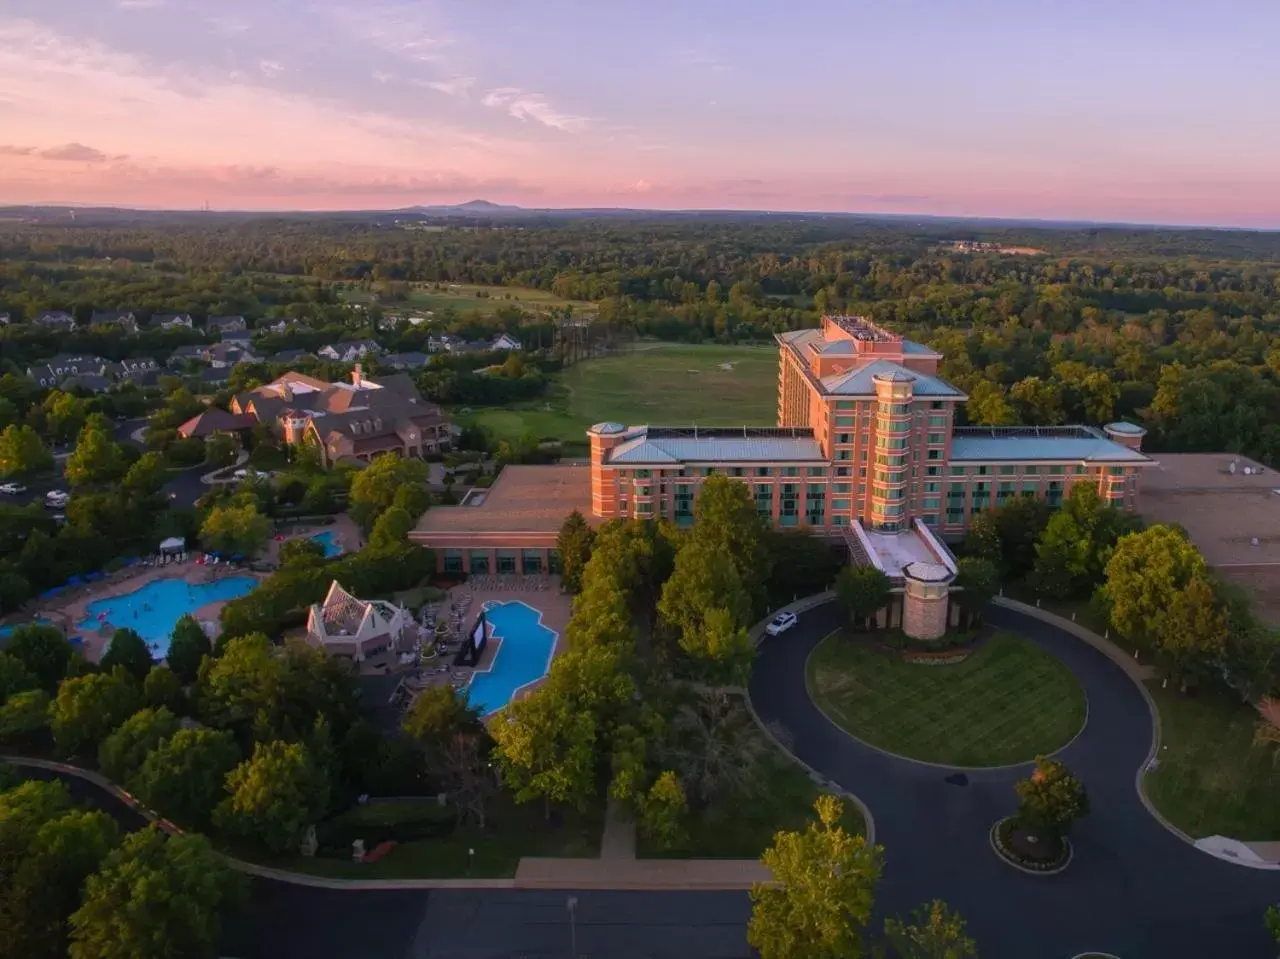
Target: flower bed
(1005,839)
(939,657)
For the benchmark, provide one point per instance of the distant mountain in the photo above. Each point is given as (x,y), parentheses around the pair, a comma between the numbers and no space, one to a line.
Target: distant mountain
(481,207)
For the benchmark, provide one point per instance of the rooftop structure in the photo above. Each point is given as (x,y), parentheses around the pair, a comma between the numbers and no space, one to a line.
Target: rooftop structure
(357,629)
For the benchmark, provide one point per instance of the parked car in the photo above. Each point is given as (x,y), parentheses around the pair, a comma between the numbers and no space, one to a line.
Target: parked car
(12,489)
(56,499)
(780,623)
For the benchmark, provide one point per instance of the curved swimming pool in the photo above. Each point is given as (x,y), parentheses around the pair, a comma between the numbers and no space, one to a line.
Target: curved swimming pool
(523,657)
(326,539)
(153,610)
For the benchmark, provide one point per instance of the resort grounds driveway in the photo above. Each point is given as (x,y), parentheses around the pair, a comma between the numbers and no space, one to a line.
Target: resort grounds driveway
(1134,889)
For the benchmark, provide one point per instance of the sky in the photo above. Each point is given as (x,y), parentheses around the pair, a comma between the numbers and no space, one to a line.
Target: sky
(1150,111)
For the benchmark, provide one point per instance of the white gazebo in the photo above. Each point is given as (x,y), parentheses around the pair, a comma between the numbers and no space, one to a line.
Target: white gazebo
(355,628)
(174,544)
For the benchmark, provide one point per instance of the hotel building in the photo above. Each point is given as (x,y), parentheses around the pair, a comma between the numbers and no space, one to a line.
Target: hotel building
(865,451)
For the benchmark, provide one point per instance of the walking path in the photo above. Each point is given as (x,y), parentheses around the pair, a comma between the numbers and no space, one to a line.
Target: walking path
(618,843)
(1135,889)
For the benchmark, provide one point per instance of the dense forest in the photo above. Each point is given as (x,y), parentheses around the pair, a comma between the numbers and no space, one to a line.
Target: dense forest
(1175,328)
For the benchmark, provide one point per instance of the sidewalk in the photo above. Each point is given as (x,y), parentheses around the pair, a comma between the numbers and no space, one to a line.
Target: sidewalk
(650,874)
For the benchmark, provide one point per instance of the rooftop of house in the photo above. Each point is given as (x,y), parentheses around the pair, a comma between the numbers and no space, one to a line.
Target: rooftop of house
(861,381)
(667,445)
(214,420)
(525,499)
(891,553)
(1055,444)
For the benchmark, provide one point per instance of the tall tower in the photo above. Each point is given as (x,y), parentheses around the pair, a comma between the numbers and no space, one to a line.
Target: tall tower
(604,491)
(893,451)
(294,425)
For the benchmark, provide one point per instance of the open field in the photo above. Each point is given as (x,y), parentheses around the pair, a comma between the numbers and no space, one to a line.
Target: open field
(1006,703)
(466,296)
(1212,780)
(660,384)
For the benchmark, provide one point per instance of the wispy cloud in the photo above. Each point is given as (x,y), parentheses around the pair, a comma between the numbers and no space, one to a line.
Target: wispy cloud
(230,26)
(8,149)
(270,68)
(457,87)
(524,105)
(139,4)
(381,76)
(399,30)
(702,59)
(74,151)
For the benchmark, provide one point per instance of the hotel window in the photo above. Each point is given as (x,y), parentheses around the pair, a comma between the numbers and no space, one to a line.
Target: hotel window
(933,471)
(959,471)
(1111,470)
(933,487)
(1056,470)
(845,421)
(862,489)
(844,404)
(933,502)
(839,521)
(684,504)
(1078,470)
(844,437)
(506,561)
(1030,470)
(936,405)
(1005,492)
(891,442)
(708,471)
(553,562)
(452,561)
(984,470)
(764,500)
(479,562)
(935,439)
(863,455)
(817,471)
(955,516)
(1029,489)
(789,515)
(840,488)
(644,508)
(930,519)
(763,471)
(531,561)
(934,455)
(844,470)
(1008,470)
(845,455)
(643,474)
(938,420)
(790,471)
(737,471)
(840,504)
(1054,494)
(644,490)
(815,504)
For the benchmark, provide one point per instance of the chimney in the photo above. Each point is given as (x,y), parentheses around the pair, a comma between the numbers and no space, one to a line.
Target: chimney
(357,375)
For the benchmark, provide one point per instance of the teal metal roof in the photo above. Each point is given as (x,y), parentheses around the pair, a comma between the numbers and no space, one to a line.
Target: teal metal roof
(673,450)
(1125,429)
(910,346)
(1079,444)
(861,381)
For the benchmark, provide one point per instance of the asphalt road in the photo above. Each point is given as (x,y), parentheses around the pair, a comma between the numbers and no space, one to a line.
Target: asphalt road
(1134,889)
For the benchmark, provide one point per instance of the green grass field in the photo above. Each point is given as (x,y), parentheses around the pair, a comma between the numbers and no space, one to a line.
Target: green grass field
(1212,780)
(1006,703)
(659,384)
(467,296)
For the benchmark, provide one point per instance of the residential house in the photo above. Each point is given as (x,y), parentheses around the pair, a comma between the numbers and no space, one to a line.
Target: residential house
(282,325)
(213,421)
(506,342)
(240,338)
(290,356)
(172,321)
(445,343)
(4,319)
(57,319)
(214,377)
(358,629)
(185,353)
(348,351)
(57,370)
(225,324)
(139,370)
(222,355)
(86,383)
(357,420)
(404,361)
(102,319)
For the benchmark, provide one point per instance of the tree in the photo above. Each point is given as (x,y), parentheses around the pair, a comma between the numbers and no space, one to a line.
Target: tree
(546,749)
(123,752)
(23,811)
(220,450)
(1144,576)
(163,689)
(438,714)
(183,777)
(130,652)
(467,776)
(574,546)
(988,405)
(24,719)
(935,931)
(820,901)
(1050,800)
(1038,402)
(705,603)
(392,529)
(46,887)
(245,678)
(97,458)
(155,897)
(14,677)
(978,581)
(664,812)
(87,708)
(726,521)
(1008,534)
(1191,635)
(188,646)
(715,747)
(235,530)
(863,591)
(274,796)
(43,651)
(146,477)
(22,452)
(375,489)
(301,552)
(1072,555)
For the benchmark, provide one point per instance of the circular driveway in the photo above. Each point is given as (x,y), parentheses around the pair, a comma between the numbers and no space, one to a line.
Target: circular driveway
(1134,889)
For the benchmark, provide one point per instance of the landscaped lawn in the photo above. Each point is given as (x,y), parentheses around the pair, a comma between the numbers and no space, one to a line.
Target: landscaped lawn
(469,296)
(1006,703)
(514,831)
(1212,780)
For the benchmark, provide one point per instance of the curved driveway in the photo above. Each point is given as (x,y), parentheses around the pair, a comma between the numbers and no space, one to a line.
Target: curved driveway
(1134,889)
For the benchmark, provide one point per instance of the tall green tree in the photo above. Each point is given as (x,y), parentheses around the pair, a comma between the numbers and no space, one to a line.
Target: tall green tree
(14,677)
(1145,574)
(235,530)
(1072,555)
(183,778)
(1191,634)
(246,679)
(978,581)
(123,752)
(934,931)
(43,651)
(274,795)
(665,811)
(188,646)
(574,546)
(130,652)
(708,608)
(375,489)
(97,458)
(24,718)
(155,897)
(88,708)
(1050,800)
(392,528)
(726,521)
(163,689)
(819,903)
(438,714)
(546,750)
(22,452)
(863,591)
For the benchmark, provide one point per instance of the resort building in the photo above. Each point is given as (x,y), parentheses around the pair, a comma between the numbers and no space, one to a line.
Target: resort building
(358,630)
(865,452)
(357,420)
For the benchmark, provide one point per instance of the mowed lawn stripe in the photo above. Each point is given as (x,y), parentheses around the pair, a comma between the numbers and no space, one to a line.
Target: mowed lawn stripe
(1006,703)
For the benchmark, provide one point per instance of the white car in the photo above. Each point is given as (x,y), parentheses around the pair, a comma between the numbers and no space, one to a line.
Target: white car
(56,499)
(12,489)
(780,623)
(240,474)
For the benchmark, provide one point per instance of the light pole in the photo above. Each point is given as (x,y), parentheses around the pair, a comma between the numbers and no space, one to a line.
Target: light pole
(572,905)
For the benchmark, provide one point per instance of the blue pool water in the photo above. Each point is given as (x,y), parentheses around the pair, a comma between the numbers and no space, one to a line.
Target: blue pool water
(523,657)
(7,631)
(153,610)
(325,539)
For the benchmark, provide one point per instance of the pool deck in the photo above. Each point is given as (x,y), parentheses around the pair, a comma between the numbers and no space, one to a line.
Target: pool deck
(345,534)
(69,613)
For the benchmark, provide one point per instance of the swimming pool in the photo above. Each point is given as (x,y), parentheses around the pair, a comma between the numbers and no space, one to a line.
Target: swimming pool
(7,631)
(523,657)
(325,539)
(153,610)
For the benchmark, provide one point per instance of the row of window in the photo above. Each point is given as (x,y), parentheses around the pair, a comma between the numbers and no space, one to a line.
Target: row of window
(480,562)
